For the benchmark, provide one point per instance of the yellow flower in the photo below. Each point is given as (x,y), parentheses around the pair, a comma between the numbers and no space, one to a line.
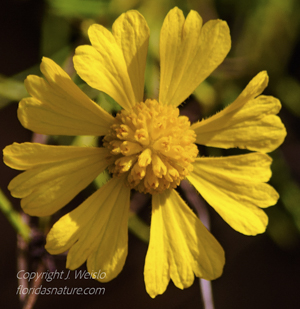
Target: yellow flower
(148,147)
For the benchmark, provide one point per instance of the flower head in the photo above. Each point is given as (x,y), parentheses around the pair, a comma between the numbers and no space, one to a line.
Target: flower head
(147,147)
(153,145)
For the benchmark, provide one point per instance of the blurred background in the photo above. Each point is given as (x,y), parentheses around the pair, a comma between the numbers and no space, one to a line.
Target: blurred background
(261,271)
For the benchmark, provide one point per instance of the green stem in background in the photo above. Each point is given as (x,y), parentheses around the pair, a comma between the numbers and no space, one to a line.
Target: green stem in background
(14,217)
(139,228)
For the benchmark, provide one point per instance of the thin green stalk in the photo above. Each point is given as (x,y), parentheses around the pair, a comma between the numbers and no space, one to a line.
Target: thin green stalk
(14,217)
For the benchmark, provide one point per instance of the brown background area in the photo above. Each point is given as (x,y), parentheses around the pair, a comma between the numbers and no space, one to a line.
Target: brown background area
(258,274)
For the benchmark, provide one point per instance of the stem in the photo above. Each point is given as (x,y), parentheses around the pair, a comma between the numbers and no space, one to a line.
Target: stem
(22,247)
(14,217)
(194,198)
(136,225)
(207,295)
(32,297)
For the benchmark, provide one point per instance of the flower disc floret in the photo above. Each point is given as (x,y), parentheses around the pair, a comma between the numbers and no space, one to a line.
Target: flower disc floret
(153,145)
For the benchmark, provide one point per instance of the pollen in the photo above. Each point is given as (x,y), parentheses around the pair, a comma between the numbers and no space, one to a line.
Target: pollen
(153,145)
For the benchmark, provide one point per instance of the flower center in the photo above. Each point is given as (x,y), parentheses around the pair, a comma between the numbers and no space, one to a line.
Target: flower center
(153,145)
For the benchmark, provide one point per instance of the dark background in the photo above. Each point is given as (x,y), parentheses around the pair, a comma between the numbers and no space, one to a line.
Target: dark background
(258,273)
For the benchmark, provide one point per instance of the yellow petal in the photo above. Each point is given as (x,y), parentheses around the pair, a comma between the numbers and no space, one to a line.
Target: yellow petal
(131,33)
(180,246)
(96,231)
(59,107)
(115,63)
(235,187)
(248,122)
(54,176)
(189,53)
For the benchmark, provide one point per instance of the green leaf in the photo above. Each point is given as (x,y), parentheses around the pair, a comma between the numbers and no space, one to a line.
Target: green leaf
(79,8)
(206,96)
(56,33)
(108,103)
(11,90)
(288,90)
(281,228)
(139,228)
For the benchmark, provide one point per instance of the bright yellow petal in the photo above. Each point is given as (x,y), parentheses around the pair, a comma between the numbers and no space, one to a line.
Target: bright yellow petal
(96,231)
(54,176)
(189,53)
(249,122)
(180,246)
(59,107)
(235,187)
(115,63)
(131,33)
